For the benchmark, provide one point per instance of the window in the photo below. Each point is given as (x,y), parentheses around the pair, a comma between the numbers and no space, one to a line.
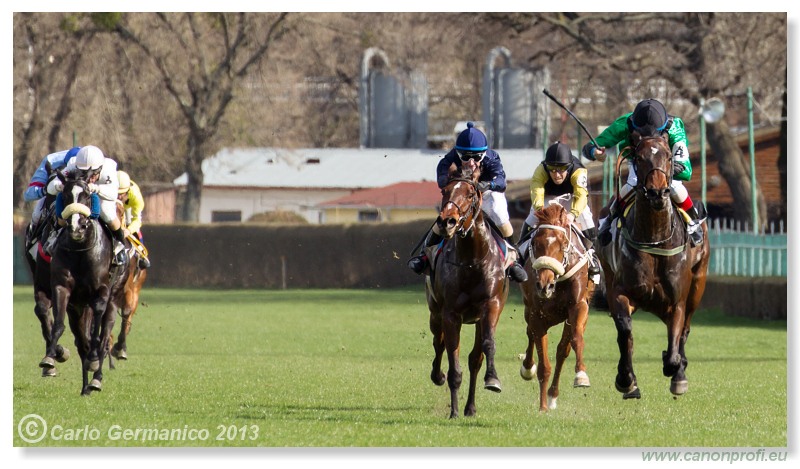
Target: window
(226,215)
(369,215)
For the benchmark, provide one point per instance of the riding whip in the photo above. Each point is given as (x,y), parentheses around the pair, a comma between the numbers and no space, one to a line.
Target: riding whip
(547,93)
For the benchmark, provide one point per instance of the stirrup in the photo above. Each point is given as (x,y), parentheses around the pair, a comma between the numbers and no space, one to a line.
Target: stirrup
(144,263)
(696,233)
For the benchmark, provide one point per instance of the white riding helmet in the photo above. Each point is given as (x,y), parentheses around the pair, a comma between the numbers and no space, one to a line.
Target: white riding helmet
(124,182)
(89,158)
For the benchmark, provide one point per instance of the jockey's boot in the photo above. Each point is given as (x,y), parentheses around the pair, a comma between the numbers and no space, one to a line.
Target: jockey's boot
(144,262)
(695,228)
(515,270)
(594,262)
(29,241)
(524,232)
(605,225)
(120,250)
(420,263)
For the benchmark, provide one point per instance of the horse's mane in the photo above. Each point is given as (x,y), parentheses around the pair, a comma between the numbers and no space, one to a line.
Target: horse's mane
(553,214)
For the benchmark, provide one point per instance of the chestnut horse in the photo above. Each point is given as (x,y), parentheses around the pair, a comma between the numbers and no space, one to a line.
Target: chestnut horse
(557,291)
(652,264)
(468,285)
(128,297)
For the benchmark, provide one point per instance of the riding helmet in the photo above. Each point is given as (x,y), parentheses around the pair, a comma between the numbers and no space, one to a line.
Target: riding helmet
(471,140)
(649,118)
(558,154)
(89,158)
(124,182)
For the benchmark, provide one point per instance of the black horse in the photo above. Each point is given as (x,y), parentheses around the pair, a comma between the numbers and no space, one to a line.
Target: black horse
(82,283)
(39,263)
(653,265)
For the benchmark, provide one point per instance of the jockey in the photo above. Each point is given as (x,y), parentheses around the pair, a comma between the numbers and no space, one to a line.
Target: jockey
(101,174)
(472,151)
(36,190)
(131,198)
(562,177)
(649,119)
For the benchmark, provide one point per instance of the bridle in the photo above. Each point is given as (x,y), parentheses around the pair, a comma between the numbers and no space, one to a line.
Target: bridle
(558,267)
(637,157)
(463,213)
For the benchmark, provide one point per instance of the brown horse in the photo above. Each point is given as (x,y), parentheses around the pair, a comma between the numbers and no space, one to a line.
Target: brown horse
(557,291)
(653,265)
(468,286)
(127,297)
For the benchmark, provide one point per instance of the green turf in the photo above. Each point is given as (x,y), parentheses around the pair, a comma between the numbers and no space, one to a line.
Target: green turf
(350,368)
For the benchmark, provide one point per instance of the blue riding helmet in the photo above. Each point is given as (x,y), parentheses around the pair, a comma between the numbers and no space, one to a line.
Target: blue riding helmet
(471,144)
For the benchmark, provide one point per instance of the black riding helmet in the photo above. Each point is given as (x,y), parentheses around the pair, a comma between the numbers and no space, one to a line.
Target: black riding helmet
(649,118)
(558,155)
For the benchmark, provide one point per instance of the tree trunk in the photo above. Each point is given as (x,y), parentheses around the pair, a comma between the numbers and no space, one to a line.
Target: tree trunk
(734,167)
(190,207)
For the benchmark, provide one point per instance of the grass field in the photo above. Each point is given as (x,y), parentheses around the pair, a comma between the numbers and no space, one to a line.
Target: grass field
(350,368)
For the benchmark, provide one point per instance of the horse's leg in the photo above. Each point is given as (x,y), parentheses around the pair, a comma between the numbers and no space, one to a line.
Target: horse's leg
(98,309)
(488,325)
(437,375)
(42,312)
(77,324)
(60,303)
(562,352)
(625,382)
(475,363)
(543,370)
(452,335)
(96,384)
(528,368)
(673,357)
(579,328)
(120,349)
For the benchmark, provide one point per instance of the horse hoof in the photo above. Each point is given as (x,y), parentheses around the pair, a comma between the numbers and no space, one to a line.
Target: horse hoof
(492,384)
(634,394)
(678,388)
(48,372)
(92,366)
(439,379)
(47,362)
(552,403)
(95,385)
(527,374)
(119,354)
(581,380)
(62,355)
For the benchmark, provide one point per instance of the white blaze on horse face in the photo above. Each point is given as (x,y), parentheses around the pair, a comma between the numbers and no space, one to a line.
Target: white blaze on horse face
(74,219)
(654,150)
(457,186)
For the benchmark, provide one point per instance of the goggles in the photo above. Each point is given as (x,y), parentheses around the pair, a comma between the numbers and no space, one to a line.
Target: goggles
(557,168)
(465,155)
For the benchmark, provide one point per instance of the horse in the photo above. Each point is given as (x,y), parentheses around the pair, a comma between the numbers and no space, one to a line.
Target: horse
(557,290)
(40,273)
(82,281)
(468,285)
(128,297)
(653,265)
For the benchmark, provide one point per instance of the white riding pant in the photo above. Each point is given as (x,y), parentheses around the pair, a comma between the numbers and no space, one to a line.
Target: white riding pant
(584,221)
(38,211)
(495,206)
(108,210)
(678,192)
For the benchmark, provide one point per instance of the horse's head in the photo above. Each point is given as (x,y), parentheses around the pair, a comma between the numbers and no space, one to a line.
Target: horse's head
(652,161)
(461,204)
(549,247)
(77,203)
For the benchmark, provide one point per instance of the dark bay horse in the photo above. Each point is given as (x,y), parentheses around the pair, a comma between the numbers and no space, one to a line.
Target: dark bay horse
(127,297)
(468,286)
(557,290)
(653,265)
(81,282)
(39,264)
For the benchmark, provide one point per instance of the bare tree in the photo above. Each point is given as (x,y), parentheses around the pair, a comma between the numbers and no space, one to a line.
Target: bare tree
(200,58)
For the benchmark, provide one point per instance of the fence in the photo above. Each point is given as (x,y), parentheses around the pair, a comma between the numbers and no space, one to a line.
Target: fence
(737,251)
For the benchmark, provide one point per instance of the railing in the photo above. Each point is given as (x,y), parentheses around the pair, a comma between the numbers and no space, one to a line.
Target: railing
(737,251)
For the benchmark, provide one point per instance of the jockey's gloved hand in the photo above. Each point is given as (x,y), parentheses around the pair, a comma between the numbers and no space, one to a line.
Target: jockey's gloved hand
(588,151)
(93,187)
(55,186)
(677,168)
(484,186)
